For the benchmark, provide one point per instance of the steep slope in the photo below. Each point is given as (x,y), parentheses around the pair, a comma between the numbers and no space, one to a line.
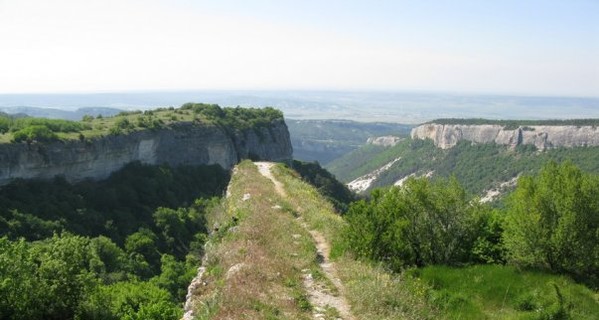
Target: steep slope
(178,143)
(483,168)
(447,135)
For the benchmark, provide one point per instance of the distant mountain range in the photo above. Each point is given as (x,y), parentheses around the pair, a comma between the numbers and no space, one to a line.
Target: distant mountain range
(53,113)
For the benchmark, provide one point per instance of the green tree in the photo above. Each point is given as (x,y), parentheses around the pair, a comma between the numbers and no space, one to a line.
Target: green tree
(421,223)
(175,276)
(65,271)
(552,221)
(19,288)
(129,300)
(34,133)
(142,248)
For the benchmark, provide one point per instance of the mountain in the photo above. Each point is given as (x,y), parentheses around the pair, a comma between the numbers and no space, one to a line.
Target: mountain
(486,157)
(326,140)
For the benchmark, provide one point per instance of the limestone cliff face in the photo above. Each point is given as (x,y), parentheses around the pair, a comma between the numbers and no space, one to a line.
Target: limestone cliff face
(180,144)
(543,137)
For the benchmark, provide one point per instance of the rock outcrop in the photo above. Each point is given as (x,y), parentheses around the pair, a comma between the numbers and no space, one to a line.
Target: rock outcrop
(384,141)
(446,136)
(184,143)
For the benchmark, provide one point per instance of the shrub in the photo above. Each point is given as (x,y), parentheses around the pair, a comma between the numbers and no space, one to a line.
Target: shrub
(34,133)
(552,222)
(419,224)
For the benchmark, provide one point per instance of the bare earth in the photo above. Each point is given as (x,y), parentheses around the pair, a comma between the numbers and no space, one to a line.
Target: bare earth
(321,298)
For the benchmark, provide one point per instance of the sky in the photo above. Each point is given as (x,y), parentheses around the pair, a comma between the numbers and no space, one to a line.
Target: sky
(527,47)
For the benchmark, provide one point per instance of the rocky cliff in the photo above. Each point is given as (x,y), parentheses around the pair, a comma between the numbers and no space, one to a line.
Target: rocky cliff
(542,136)
(183,143)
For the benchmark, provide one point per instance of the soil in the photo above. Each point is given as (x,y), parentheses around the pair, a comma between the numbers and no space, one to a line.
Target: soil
(321,297)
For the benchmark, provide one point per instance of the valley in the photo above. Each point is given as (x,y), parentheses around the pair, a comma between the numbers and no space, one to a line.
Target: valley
(250,237)
(299,160)
(471,153)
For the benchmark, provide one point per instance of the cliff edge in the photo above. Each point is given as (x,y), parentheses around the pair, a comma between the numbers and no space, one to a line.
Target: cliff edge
(181,143)
(543,137)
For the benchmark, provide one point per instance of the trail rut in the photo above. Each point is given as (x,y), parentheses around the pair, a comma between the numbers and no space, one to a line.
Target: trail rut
(320,297)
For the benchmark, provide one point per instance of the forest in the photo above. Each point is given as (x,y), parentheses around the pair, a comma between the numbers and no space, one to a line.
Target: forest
(122,248)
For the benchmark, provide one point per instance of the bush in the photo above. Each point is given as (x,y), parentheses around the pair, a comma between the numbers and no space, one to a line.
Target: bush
(34,133)
(552,222)
(419,224)
(129,300)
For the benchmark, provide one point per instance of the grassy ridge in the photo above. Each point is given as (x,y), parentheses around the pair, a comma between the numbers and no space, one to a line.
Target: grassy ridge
(253,263)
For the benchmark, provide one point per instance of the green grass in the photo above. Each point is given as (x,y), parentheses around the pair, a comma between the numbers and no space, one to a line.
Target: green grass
(503,292)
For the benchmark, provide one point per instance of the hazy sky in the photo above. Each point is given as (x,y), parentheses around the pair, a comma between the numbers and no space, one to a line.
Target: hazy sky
(544,47)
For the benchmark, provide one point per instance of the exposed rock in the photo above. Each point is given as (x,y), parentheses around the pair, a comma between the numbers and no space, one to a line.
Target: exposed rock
(235,269)
(184,143)
(543,137)
(494,193)
(403,180)
(194,286)
(362,183)
(385,141)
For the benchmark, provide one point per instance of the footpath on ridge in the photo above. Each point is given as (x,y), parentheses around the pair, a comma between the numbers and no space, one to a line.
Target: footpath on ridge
(319,297)
(265,258)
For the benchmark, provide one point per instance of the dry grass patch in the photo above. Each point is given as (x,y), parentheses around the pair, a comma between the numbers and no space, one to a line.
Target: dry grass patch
(254,267)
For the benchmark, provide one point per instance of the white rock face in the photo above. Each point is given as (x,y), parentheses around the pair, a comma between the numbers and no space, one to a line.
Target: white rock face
(543,137)
(385,141)
(362,183)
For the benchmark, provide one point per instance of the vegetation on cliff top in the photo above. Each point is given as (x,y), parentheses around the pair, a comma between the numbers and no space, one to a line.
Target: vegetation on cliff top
(41,129)
(514,124)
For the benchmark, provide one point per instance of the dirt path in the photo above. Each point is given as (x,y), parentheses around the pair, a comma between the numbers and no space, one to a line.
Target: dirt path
(320,297)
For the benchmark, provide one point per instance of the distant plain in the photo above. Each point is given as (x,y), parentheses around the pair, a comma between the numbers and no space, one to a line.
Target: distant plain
(364,106)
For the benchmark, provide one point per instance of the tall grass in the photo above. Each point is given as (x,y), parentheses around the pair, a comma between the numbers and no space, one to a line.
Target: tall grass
(503,292)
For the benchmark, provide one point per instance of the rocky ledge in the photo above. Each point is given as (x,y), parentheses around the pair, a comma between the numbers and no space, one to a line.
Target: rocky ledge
(183,143)
(446,136)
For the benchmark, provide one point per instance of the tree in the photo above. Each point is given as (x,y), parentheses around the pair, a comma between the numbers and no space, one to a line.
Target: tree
(141,247)
(421,223)
(129,300)
(34,133)
(552,222)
